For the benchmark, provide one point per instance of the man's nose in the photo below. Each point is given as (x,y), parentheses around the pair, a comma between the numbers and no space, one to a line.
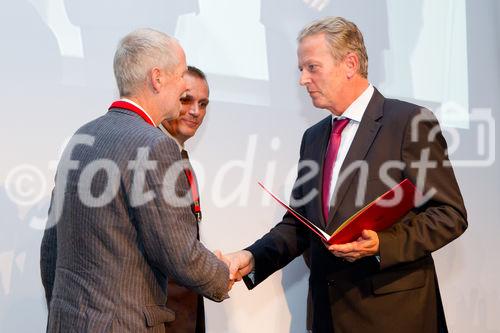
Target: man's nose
(304,78)
(194,110)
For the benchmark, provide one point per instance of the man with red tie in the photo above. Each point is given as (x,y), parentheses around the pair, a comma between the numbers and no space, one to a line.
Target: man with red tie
(118,228)
(383,281)
(188,305)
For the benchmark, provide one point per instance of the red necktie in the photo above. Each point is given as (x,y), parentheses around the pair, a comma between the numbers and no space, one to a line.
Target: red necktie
(330,158)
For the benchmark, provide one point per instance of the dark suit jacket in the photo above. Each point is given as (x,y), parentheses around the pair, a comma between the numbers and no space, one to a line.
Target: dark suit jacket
(188,307)
(399,294)
(106,268)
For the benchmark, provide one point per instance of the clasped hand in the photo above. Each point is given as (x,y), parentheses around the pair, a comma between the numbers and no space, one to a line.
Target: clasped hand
(239,263)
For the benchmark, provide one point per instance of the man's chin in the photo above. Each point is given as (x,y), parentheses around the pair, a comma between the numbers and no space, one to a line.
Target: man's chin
(318,104)
(187,132)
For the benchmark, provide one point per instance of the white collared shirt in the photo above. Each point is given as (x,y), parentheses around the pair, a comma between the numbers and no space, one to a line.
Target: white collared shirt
(354,112)
(138,106)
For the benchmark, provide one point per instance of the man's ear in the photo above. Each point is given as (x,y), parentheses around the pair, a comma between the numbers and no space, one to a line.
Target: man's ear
(351,62)
(157,79)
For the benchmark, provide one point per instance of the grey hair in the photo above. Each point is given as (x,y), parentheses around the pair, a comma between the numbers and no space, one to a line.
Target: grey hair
(138,53)
(342,36)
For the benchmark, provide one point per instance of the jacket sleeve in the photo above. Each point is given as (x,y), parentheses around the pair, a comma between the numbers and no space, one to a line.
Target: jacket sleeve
(283,243)
(441,218)
(48,258)
(168,230)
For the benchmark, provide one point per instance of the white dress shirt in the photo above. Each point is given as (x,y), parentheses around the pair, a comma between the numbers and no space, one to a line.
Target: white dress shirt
(138,106)
(354,113)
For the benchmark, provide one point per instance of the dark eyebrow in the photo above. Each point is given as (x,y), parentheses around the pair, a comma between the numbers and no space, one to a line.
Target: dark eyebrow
(187,98)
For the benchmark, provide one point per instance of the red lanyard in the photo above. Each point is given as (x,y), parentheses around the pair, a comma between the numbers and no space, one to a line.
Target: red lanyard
(131,107)
(194,193)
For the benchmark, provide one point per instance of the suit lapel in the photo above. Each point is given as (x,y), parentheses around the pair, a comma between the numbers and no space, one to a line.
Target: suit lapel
(319,145)
(365,135)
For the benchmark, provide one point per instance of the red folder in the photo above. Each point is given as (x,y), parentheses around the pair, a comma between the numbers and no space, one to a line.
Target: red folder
(378,215)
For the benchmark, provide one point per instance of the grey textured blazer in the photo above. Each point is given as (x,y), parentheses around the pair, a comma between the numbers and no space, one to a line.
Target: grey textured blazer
(105,269)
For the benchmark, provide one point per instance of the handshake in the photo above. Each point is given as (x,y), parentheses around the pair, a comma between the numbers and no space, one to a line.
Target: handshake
(240,264)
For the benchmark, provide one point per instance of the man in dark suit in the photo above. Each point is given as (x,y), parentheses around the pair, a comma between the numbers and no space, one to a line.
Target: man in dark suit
(384,281)
(119,230)
(188,305)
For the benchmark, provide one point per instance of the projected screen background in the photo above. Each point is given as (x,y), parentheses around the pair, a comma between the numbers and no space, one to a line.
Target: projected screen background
(56,74)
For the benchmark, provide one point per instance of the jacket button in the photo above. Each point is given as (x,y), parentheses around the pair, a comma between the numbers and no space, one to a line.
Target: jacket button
(331,283)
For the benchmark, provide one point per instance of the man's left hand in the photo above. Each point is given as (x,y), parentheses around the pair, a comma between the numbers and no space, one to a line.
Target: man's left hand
(364,246)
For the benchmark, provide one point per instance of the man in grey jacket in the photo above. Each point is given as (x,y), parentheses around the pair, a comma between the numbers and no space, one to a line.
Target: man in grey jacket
(120,223)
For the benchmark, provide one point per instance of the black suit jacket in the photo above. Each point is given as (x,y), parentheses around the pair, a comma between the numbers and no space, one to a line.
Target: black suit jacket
(399,294)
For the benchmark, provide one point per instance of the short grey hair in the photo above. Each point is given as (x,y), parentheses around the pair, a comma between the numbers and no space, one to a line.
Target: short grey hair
(138,53)
(342,36)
